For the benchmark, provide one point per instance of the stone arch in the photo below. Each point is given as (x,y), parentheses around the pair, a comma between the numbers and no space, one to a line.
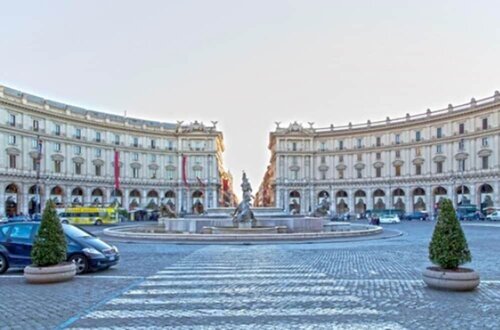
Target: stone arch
(440,193)
(57,195)
(486,196)
(197,205)
(322,195)
(12,192)
(463,195)
(152,199)
(419,199)
(379,200)
(294,202)
(398,195)
(97,196)
(341,205)
(360,201)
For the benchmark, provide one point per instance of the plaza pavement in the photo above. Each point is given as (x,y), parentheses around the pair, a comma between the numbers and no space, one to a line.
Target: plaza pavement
(364,284)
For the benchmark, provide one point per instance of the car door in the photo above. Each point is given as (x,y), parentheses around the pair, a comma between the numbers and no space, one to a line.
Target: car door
(19,243)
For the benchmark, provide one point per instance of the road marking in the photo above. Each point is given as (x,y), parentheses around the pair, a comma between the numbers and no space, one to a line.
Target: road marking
(182,291)
(131,314)
(244,282)
(88,276)
(231,300)
(237,275)
(268,326)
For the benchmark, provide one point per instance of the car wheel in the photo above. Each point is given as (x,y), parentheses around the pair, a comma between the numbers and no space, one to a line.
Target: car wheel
(65,222)
(98,222)
(81,263)
(4,264)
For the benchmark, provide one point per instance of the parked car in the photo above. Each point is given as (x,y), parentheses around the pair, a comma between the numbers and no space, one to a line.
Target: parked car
(3,220)
(495,216)
(417,215)
(389,218)
(87,251)
(470,216)
(19,218)
(36,217)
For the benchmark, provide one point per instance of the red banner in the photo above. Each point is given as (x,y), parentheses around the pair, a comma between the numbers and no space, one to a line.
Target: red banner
(225,184)
(117,169)
(184,167)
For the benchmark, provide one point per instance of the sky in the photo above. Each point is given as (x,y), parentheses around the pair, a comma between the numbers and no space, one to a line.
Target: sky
(248,64)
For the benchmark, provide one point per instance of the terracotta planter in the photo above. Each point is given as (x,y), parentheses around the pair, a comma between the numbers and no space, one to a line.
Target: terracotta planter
(462,279)
(52,274)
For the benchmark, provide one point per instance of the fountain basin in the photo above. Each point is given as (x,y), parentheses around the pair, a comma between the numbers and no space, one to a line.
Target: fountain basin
(244,231)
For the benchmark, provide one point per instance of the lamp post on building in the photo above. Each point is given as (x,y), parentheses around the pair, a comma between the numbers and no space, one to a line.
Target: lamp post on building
(38,205)
(453,179)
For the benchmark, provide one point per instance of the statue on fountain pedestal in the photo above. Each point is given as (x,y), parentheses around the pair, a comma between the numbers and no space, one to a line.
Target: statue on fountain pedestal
(243,215)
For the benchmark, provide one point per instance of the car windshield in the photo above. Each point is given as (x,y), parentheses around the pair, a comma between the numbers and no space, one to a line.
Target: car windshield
(73,231)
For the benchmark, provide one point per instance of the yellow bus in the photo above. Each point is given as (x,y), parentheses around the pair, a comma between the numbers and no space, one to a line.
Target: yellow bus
(89,216)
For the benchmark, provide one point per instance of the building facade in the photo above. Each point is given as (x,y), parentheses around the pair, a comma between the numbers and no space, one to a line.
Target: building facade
(408,163)
(78,152)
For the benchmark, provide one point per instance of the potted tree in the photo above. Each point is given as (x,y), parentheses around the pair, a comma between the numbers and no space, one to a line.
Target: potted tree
(49,251)
(448,250)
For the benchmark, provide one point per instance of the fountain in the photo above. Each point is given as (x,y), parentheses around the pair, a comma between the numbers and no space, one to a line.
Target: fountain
(246,224)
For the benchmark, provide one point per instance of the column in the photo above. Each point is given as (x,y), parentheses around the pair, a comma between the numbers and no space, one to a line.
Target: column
(2,199)
(24,198)
(86,197)
(369,199)
(350,200)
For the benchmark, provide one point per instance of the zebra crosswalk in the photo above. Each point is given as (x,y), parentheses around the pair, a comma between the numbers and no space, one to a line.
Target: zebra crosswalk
(236,293)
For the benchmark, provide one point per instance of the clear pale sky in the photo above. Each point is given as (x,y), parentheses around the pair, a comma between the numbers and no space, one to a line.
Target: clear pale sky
(248,64)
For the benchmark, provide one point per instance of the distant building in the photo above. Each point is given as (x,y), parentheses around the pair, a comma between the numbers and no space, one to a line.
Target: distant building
(77,161)
(407,163)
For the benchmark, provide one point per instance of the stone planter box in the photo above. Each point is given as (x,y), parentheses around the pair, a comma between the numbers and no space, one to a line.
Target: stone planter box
(52,274)
(464,279)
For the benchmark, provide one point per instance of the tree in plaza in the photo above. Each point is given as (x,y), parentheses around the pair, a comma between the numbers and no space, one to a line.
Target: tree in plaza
(448,248)
(49,247)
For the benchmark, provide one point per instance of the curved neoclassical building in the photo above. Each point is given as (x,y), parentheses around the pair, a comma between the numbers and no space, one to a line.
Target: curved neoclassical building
(78,152)
(407,163)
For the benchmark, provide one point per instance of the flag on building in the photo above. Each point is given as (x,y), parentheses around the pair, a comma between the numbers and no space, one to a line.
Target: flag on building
(117,169)
(184,168)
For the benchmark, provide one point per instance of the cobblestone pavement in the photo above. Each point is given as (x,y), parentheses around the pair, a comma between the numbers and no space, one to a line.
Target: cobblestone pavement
(371,284)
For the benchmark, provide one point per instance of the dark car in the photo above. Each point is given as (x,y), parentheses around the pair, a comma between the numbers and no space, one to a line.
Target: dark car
(88,252)
(417,215)
(469,216)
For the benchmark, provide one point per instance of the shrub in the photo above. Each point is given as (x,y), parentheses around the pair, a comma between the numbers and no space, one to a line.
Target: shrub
(448,248)
(49,247)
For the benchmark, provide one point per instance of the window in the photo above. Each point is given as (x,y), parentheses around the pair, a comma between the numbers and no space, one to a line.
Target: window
(21,233)
(341,145)
(439,167)
(418,151)
(170,145)
(34,144)
(78,133)
(378,156)
(397,170)
(57,147)
(12,161)
(484,142)
(294,146)
(360,143)
(461,128)
(153,144)
(34,164)
(378,172)
(152,158)
(170,159)
(461,144)
(439,148)
(359,173)
(323,159)
(294,160)
(57,166)
(117,139)
(461,165)
(97,136)
(98,152)
(135,173)
(418,169)
(398,153)
(341,174)
(12,139)
(418,136)
(170,174)
(359,157)
(398,139)
(78,150)
(378,142)
(135,156)
(485,162)
(153,174)
(322,146)
(36,126)
(78,168)
(439,132)
(341,158)
(98,170)
(12,120)
(136,142)
(57,130)
(485,123)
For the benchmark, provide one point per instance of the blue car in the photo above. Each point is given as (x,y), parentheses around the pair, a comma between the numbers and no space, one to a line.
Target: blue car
(88,252)
(417,215)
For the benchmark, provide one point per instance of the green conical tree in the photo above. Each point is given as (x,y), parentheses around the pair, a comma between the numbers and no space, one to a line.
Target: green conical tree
(49,247)
(448,248)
